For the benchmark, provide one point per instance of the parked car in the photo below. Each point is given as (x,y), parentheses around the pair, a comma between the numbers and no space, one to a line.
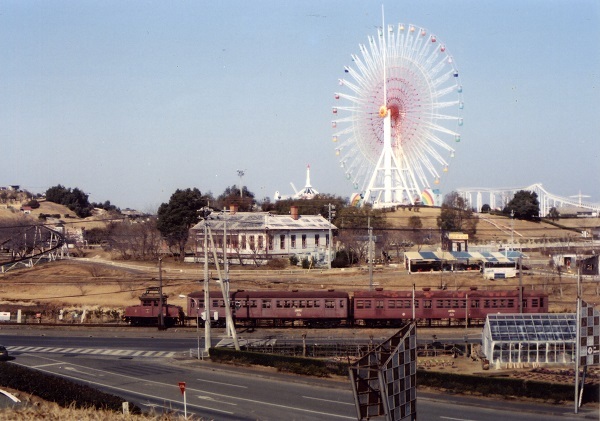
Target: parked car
(3,353)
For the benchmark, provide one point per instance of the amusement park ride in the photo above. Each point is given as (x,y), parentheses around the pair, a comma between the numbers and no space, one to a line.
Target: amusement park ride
(394,126)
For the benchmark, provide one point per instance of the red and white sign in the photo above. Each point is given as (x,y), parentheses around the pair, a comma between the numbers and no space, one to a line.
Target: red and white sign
(182,387)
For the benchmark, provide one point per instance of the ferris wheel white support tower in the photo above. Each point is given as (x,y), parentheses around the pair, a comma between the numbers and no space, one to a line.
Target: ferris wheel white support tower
(396,183)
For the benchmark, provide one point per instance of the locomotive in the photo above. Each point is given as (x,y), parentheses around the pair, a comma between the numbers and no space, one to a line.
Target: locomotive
(377,308)
(147,312)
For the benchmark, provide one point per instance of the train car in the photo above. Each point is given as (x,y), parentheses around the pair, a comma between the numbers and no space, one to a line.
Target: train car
(393,308)
(146,313)
(328,308)
(195,308)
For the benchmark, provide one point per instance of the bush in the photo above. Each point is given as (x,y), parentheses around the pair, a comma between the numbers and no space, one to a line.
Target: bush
(294,260)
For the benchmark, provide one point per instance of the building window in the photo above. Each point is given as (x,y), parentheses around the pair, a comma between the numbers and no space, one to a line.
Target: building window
(260,242)
(282,242)
(316,240)
(303,241)
(292,241)
(270,240)
(251,241)
(243,242)
(327,240)
(235,242)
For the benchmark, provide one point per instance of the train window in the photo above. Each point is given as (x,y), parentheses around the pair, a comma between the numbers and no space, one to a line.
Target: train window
(474,303)
(215,303)
(416,304)
(192,303)
(287,304)
(302,303)
(341,303)
(279,304)
(329,304)
(525,303)
(503,303)
(426,303)
(378,303)
(455,304)
(317,303)
(494,303)
(407,303)
(309,303)
(510,303)
(295,304)
(439,303)
(534,302)
(360,304)
(486,303)
(541,301)
(368,303)
(253,303)
(391,304)
(266,303)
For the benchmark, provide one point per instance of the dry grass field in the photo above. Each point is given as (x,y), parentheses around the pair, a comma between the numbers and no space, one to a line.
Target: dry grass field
(99,281)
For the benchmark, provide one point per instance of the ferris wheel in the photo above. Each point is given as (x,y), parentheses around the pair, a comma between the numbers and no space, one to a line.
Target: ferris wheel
(397,117)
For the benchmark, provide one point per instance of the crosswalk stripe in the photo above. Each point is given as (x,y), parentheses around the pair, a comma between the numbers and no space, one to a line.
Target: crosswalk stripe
(93,351)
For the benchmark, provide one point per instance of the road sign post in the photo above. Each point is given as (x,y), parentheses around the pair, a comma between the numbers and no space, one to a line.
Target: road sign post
(182,388)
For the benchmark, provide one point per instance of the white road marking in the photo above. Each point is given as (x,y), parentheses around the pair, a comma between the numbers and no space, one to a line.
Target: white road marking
(224,384)
(456,419)
(328,400)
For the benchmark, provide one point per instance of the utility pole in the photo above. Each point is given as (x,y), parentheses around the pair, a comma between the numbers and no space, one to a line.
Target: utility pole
(520,285)
(228,316)
(207,318)
(161,303)
(331,214)
(228,325)
(370,253)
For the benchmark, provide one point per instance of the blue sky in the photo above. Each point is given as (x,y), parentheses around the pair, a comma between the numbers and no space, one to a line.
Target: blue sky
(129,101)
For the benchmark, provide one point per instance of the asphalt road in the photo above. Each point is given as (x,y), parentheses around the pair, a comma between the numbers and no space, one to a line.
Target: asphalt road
(131,367)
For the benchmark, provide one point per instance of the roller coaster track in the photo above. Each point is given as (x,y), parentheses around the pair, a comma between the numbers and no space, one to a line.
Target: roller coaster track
(26,246)
(499,197)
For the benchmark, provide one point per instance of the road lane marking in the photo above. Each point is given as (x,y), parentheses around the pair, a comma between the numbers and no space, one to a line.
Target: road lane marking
(224,384)
(210,398)
(93,351)
(455,419)
(328,400)
(194,390)
(159,398)
(45,365)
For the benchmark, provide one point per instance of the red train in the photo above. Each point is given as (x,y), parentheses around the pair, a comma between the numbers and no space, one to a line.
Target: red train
(330,308)
(147,312)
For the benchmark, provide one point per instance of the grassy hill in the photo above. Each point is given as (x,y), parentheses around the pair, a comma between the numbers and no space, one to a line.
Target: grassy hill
(497,228)
(12,212)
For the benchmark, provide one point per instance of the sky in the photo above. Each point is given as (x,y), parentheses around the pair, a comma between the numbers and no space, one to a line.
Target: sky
(129,101)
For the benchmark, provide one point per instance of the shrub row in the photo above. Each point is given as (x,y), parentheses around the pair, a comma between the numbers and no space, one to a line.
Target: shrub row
(459,383)
(59,390)
(296,365)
